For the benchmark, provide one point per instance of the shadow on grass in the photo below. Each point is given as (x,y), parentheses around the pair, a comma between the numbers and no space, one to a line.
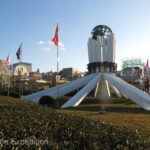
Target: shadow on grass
(111,109)
(91,100)
(94,105)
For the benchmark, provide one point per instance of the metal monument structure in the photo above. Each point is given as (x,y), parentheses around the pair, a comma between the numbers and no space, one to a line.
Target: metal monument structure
(135,62)
(102,67)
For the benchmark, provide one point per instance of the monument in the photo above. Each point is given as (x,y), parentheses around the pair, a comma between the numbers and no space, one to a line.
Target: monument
(102,67)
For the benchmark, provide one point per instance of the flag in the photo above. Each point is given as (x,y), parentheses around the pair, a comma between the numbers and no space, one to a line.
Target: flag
(55,39)
(75,73)
(11,66)
(50,73)
(19,52)
(146,67)
(132,69)
(20,71)
(7,61)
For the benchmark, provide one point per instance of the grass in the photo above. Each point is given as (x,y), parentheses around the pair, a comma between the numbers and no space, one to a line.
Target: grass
(82,127)
(120,111)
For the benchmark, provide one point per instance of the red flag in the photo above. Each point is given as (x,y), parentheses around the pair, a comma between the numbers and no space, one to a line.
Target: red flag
(7,61)
(132,69)
(50,73)
(55,39)
(146,67)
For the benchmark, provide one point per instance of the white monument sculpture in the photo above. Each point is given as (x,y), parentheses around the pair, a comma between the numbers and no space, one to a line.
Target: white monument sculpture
(102,67)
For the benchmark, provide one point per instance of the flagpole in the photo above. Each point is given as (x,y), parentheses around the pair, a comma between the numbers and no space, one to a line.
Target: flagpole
(20,61)
(21,72)
(132,78)
(132,73)
(57,75)
(57,60)
(51,80)
(55,40)
(57,69)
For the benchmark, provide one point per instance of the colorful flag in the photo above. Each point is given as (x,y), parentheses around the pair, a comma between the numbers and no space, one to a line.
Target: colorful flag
(146,67)
(11,66)
(20,71)
(19,51)
(55,39)
(7,61)
(50,73)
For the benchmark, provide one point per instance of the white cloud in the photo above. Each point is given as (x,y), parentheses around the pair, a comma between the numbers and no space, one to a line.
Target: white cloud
(50,43)
(46,49)
(41,42)
(63,48)
(60,44)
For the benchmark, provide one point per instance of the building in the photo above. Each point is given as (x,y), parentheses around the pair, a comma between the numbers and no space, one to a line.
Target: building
(135,62)
(4,69)
(26,68)
(147,74)
(2,65)
(5,75)
(35,75)
(132,71)
(68,73)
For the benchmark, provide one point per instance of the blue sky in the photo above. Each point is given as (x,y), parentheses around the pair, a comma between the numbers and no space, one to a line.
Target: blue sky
(33,22)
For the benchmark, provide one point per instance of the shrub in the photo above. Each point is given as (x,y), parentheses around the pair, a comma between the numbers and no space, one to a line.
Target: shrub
(4,93)
(46,100)
(1,93)
(114,94)
(14,94)
(60,101)
(28,121)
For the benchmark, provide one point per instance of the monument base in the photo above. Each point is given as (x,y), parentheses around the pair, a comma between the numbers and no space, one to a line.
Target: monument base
(107,67)
(102,89)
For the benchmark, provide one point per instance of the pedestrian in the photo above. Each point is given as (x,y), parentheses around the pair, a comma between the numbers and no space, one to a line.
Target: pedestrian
(147,85)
